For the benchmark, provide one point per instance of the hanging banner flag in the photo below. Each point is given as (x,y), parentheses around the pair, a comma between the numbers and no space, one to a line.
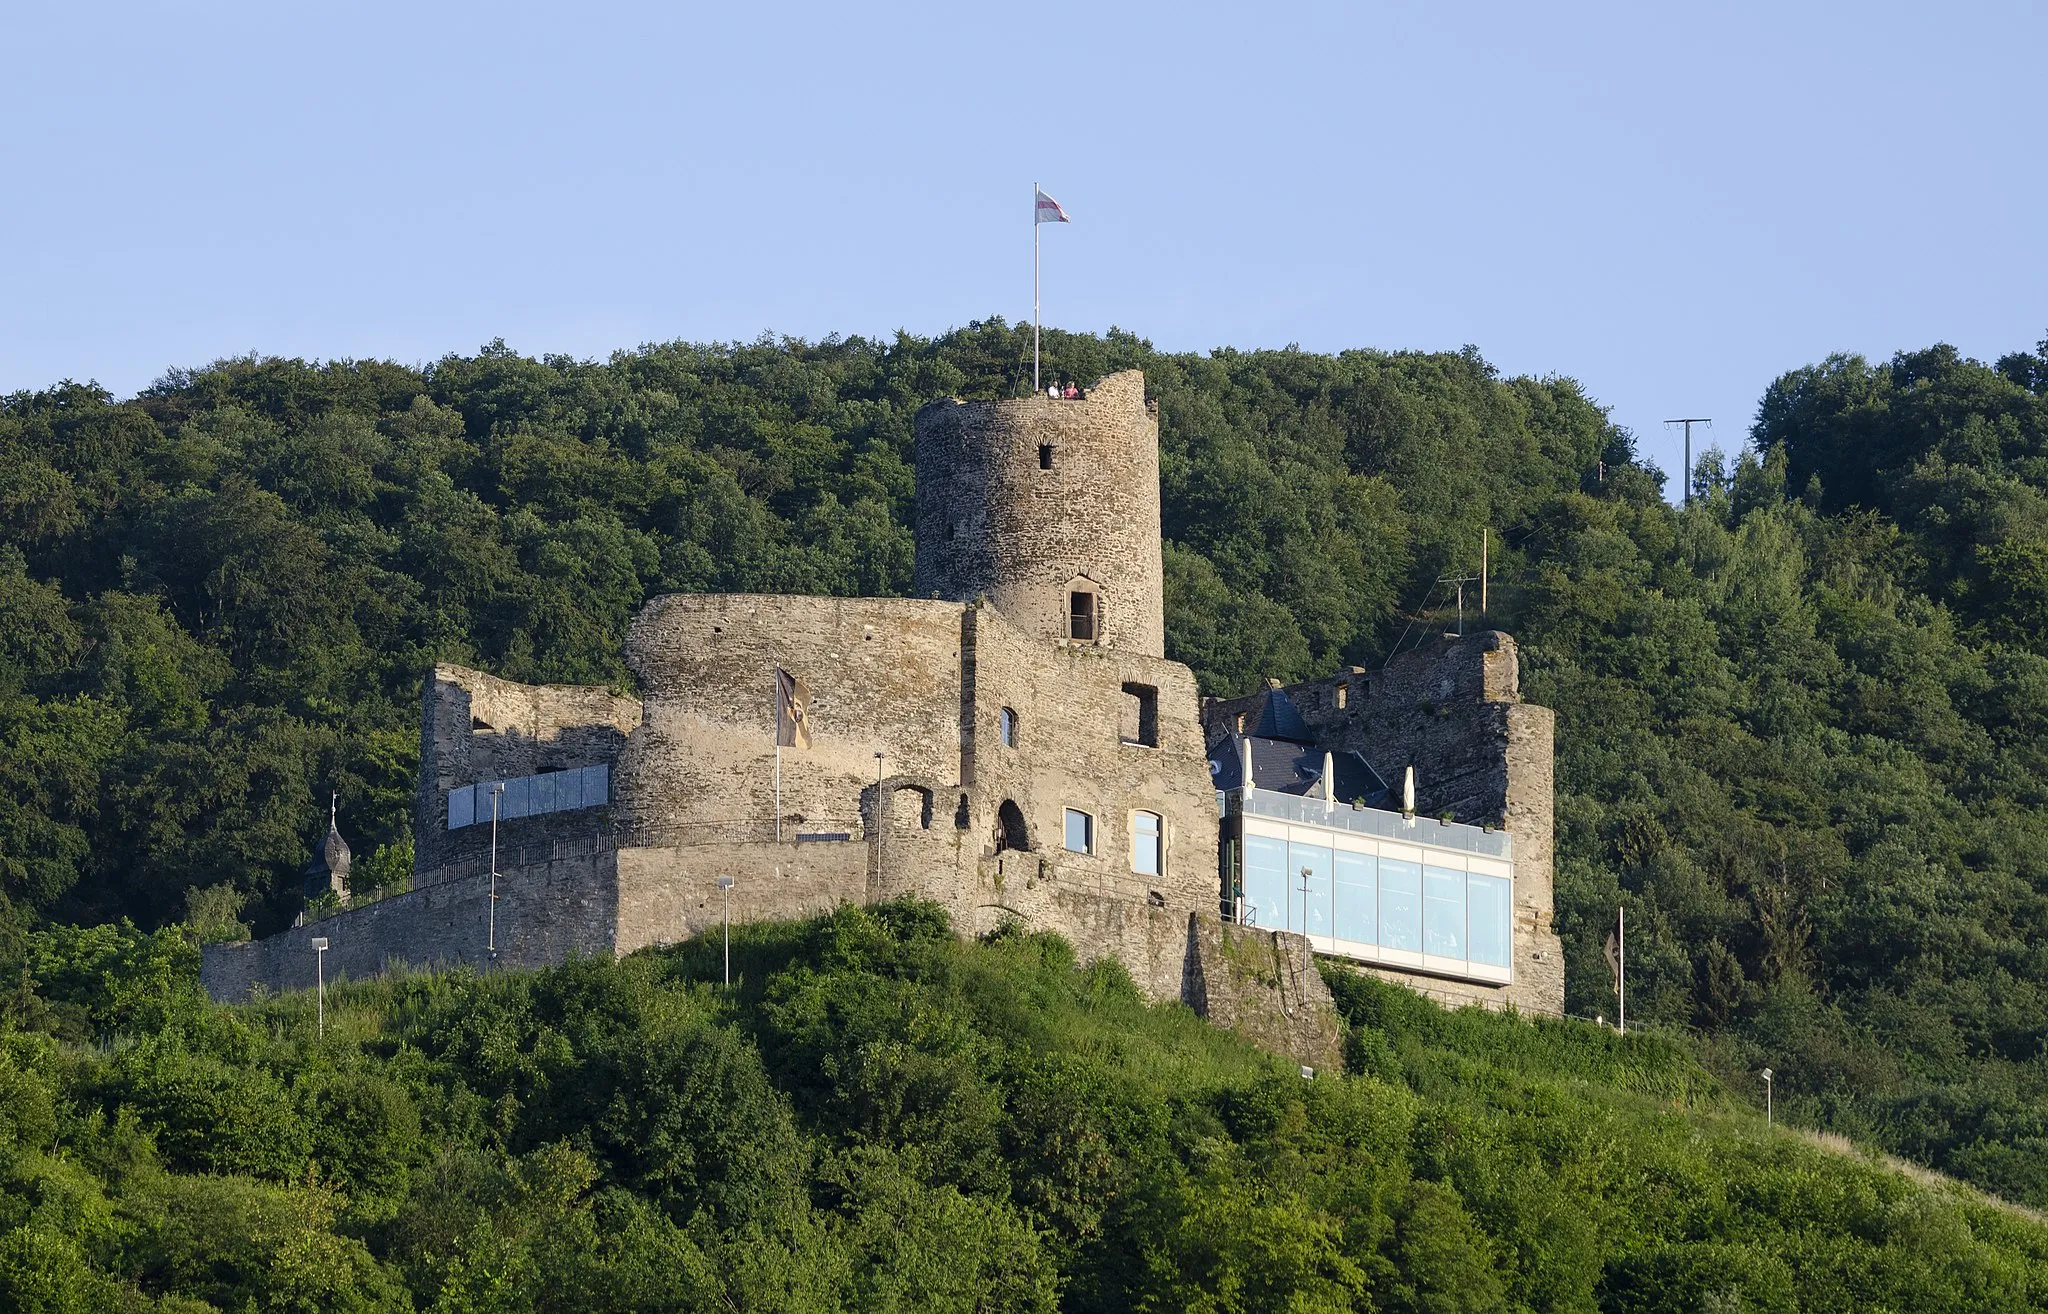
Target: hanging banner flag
(1049,211)
(792,711)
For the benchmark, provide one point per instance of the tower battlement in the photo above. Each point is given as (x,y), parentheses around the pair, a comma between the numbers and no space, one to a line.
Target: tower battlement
(1049,509)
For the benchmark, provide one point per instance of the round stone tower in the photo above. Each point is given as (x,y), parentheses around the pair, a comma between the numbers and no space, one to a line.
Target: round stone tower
(1048,508)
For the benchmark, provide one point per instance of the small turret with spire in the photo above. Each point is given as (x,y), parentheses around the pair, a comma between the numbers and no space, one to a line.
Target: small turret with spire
(335,851)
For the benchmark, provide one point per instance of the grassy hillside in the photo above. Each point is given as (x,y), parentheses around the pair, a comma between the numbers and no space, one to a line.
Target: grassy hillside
(880,1117)
(1800,731)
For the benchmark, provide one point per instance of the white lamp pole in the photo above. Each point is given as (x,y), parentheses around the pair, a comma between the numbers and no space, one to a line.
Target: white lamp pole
(725,888)
(880,816)
(1767,1075)
(320,979)
(491,938)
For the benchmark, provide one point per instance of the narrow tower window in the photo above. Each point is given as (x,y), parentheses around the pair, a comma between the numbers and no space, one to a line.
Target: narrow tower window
(1006,726)
(1045,456)
(1081,617)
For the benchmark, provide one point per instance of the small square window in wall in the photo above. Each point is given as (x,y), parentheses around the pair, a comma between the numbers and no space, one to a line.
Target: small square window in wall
(1045,456)
(1080,831)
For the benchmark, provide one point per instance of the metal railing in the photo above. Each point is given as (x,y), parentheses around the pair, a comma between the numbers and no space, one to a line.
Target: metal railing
(1368,821)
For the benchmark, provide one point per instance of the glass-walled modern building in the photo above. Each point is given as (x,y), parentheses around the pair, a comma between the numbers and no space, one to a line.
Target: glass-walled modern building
(1372,885)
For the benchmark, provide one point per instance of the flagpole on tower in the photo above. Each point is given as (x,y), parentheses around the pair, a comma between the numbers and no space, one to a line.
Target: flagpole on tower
(1034,289)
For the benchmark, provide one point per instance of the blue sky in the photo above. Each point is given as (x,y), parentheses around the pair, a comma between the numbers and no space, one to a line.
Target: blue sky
(1670,204)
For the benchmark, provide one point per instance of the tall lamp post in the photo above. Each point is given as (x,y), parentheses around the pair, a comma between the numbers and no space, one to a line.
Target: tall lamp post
(725,888)
(320,986)
(1306,873)
(491,938)
(880,828)
(1767,1075)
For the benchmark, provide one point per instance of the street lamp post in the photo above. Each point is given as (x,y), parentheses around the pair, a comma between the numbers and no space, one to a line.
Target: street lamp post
(1306,873)
(491,938)
(880,828)
(320,983)
(725,888)
(1767,1075)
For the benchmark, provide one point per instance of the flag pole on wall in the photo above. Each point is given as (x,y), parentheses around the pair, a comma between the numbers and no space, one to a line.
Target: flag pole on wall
(1044,210)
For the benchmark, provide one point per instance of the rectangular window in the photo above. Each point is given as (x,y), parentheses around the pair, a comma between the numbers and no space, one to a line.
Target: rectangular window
(1265,882)
(1141,715)
(1489,899)
(1314,905)
(1147,832)
(1356,914)
(1401,905)
(1443,912)
(1006,726)
(1080,831)
(1081,615)
(1045,456)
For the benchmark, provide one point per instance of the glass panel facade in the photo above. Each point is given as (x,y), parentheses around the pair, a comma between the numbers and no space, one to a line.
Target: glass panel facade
(1080,832)
(1265,881)
(1145,830)
(1443,912)
(1401,905)
(1357,911)
(1489,900)
(1315,860)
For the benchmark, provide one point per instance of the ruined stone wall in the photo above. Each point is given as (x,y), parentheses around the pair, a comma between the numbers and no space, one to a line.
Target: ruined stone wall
(476,727)
(546,913)
(1016,500)
(1452,708)
(926,684)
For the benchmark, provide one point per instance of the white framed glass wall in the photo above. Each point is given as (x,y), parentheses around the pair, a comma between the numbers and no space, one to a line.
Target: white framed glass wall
(1433,909)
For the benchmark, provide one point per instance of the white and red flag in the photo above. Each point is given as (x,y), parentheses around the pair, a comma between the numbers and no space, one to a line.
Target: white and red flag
(1049,211)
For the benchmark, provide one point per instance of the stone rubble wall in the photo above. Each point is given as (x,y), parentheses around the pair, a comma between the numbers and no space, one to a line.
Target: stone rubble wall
(476,727)
(546,914)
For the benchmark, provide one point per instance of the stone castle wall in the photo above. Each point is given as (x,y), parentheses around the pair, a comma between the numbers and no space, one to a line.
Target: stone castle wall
(926,683)
(547,912)
(476,727)
(1016,500)
(1452,708)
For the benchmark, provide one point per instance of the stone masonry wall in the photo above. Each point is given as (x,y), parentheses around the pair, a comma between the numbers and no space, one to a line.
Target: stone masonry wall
(476,727)
(925,683)
(546,913)
(1452,708)
(1016,500)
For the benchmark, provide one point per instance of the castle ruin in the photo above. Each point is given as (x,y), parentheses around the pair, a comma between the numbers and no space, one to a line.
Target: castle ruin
(1012,744)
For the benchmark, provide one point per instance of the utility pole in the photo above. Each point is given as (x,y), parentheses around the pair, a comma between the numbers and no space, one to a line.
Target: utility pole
(1685,484)
(1461,581)
(1621,964)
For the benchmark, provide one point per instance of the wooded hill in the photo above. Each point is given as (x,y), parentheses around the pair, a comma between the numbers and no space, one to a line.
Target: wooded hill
(879,1117)
(1800,724)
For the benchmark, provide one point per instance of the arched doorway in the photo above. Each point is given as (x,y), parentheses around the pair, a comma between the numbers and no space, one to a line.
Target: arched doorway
(1010,831)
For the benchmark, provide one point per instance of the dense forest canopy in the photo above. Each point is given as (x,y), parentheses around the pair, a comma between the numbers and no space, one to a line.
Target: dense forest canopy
(1799,722)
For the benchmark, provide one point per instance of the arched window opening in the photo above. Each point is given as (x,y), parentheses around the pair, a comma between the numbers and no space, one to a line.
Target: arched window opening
(961,816)
(1148,843)
(923,811)
(1010,831)
(1006,727)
